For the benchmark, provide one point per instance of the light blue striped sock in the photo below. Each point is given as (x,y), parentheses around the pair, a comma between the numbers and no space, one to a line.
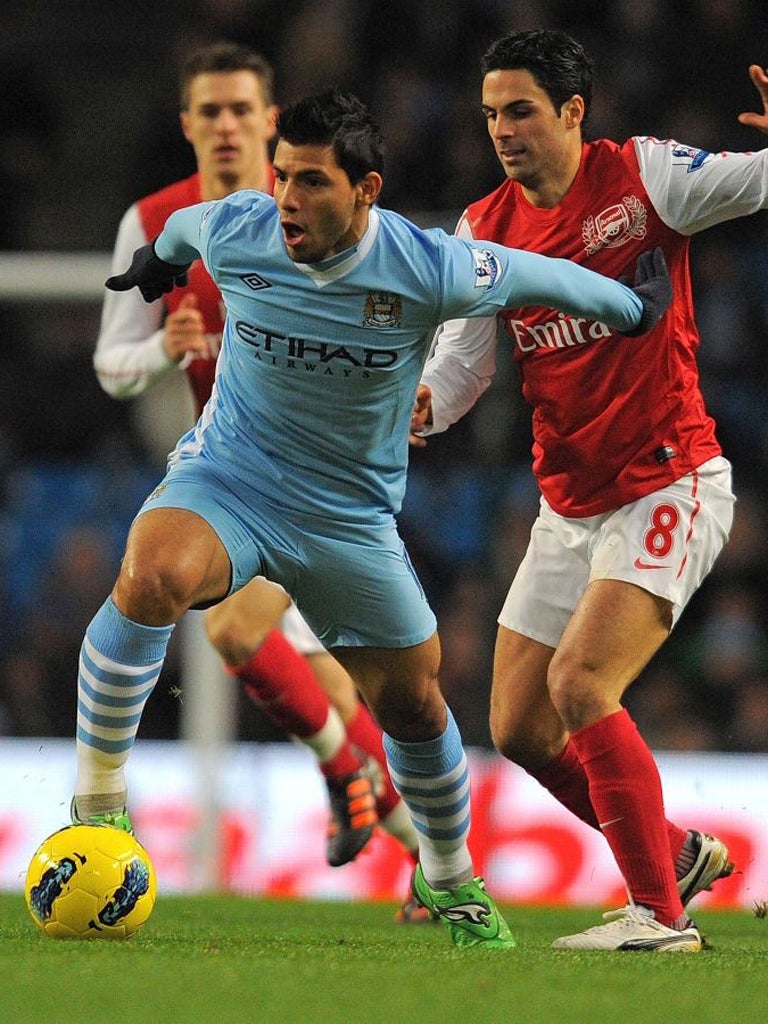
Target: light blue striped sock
(120,662)
(432,777)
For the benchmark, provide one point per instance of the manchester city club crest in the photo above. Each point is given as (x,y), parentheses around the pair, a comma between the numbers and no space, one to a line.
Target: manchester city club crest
(615,225)
(383,309)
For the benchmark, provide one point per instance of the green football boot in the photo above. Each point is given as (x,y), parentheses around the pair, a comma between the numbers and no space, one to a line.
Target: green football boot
(469,913)
(116,819)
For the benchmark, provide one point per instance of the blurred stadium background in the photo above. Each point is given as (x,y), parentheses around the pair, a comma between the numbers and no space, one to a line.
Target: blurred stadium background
(88,123)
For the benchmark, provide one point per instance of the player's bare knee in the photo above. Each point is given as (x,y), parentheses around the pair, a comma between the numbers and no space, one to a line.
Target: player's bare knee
(579,698)
(411,713)
(522,743)
(216,625)
(506,741)
(153,592)
(230,635)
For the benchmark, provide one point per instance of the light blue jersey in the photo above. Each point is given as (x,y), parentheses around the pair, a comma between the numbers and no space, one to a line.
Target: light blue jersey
(319,363)
(298,461)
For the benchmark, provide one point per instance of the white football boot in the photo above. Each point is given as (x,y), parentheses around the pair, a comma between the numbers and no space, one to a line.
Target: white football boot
(635,930)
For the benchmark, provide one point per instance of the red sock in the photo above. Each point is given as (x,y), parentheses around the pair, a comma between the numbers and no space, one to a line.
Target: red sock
(343,762)
(625,791)
(566,780)
(677,837)
(281,681)
(365,734)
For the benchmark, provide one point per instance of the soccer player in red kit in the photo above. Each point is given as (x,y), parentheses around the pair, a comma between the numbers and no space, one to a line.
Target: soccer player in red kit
(636,499)
(228,116)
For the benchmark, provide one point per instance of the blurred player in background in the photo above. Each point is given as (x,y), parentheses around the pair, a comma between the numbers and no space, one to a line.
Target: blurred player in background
(296,469)
(228,117)
(636,496)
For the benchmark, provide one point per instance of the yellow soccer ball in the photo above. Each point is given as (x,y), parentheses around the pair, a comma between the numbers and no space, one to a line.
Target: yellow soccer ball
(90,882)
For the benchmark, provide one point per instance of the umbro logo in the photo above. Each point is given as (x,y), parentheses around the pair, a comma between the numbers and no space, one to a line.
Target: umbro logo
(255,282)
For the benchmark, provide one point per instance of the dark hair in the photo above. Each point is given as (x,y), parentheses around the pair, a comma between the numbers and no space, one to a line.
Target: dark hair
(558,64)
(218,57)
(338,119)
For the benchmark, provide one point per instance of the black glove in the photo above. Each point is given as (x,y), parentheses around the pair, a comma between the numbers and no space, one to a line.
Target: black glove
(151,275)
(653,286)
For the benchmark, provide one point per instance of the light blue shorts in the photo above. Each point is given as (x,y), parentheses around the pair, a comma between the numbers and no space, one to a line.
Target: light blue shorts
(353,582)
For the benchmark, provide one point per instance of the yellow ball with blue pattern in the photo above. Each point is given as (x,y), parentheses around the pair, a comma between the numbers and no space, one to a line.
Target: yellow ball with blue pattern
(90,882)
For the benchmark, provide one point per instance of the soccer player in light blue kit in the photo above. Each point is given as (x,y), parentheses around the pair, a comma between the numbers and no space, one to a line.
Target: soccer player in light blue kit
(297,466)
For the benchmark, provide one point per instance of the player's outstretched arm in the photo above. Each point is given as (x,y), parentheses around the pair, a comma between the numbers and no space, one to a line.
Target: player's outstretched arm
(759,77)
(151,275)
(539,280)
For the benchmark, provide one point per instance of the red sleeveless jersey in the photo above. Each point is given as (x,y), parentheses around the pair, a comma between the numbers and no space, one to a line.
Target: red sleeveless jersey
(614,418)
(154,210)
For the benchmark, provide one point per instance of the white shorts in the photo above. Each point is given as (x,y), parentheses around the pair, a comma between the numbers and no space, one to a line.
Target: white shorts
(665,543)
(298,634)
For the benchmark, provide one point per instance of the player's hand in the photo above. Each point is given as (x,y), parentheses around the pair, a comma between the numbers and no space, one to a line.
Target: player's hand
(653,286)
(151,275)
(421,415)
(184,333)
(760,80)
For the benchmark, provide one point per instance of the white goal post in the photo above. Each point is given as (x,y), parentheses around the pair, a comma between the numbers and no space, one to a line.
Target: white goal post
(53,276)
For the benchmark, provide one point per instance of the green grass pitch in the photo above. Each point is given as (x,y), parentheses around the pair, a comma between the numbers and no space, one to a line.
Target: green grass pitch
(223,959)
